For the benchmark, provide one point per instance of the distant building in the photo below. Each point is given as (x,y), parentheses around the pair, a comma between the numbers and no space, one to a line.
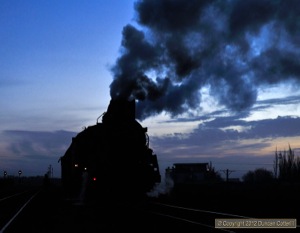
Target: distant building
(187,173)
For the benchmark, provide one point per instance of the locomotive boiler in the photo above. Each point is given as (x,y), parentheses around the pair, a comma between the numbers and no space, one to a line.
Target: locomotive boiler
(111,158)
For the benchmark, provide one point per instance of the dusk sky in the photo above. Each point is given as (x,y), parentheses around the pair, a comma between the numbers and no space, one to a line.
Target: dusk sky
(214,81)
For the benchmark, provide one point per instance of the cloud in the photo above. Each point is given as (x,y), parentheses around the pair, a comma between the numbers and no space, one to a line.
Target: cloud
(222,129)
(263,104)
(33,151)
(232,48)
(219,141)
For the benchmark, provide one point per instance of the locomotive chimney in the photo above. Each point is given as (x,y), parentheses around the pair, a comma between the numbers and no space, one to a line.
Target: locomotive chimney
(120,110)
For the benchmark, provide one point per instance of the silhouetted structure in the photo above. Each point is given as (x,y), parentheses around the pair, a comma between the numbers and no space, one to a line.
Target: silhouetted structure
(188,173)
(114,153)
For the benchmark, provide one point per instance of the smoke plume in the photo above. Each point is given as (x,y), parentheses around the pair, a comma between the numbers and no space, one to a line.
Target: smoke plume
(231,47)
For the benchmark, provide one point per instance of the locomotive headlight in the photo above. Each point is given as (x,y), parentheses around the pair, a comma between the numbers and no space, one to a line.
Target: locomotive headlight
(76,165)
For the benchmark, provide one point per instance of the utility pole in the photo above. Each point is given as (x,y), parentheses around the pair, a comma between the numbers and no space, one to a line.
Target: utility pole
(50,171)
(276,164)
(227,172)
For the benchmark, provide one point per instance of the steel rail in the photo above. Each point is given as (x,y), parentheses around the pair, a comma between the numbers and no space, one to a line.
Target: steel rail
(19,211)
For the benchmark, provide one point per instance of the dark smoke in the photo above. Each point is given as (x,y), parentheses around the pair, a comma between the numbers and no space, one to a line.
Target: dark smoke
(232,47)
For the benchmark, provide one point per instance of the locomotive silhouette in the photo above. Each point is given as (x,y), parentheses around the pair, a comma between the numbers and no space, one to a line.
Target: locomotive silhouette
(111,158)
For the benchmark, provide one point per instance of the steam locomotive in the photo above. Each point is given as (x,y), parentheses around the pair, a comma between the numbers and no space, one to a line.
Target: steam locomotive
(112,157)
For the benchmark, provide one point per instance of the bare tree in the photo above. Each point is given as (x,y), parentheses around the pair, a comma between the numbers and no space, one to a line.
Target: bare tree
(288,166)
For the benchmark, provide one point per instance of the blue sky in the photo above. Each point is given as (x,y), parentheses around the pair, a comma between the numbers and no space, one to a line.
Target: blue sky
(231,99)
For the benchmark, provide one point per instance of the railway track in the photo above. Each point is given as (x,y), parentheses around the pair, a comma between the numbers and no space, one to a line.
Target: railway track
(50,212)
(12,202)
(184,219)
(143,216)
(192,218)
(162,217)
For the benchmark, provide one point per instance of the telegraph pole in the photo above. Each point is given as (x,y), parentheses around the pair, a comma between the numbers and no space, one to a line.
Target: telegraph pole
(276,164)
(50,171)
(227,172)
